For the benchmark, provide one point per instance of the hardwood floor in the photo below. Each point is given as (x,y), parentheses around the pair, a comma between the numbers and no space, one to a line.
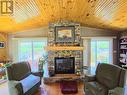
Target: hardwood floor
(45,89)
(50,89)
(54,89)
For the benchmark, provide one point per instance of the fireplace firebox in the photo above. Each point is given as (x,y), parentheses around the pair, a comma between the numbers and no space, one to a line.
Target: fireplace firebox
(64,65)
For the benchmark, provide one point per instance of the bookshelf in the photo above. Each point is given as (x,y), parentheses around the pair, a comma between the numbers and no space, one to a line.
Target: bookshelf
(123,51)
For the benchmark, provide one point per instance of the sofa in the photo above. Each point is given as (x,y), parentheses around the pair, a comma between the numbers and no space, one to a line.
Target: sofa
(108,80)
(21,81)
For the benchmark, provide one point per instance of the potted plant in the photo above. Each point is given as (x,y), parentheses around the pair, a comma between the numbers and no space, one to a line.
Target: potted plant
(42,61)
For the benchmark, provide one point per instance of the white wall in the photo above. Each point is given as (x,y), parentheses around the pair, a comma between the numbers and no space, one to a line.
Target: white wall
(43,32)
(39,32)
(93,32)
(30,34)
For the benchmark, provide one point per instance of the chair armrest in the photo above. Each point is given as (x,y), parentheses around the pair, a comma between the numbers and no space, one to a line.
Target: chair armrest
(89,78)
(40,74)
(116,91)
(12,85)
(19,88)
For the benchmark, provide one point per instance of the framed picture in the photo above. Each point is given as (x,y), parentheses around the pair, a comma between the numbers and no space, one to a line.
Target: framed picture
(2,44)
(64,33)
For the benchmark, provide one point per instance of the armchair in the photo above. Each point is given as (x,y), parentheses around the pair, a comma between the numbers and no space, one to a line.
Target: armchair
(21,81)
(107,79)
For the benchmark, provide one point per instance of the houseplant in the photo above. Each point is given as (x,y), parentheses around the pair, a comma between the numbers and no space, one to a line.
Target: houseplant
(42,61)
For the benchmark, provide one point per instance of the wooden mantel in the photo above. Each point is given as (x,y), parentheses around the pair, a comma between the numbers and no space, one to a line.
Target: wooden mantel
(55,48)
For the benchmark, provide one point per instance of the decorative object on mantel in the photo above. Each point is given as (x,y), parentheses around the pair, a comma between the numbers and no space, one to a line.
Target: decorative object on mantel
(64,40)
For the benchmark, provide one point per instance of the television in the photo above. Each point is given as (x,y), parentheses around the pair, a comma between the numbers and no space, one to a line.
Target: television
(64,33)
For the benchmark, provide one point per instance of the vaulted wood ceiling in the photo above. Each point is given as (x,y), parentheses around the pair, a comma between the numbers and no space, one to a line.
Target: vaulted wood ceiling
(107,14)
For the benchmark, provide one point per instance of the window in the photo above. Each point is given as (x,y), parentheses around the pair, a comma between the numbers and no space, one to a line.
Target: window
(101,52)
(97,50)
(31,50)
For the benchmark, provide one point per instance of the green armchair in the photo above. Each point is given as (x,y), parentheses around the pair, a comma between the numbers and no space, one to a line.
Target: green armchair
(21,81)
(109,80)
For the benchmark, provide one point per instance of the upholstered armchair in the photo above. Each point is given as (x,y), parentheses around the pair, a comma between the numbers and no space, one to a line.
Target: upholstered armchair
(21,81)
(109,80)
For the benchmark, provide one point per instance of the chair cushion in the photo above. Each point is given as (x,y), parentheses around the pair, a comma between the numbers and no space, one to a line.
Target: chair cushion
(95,88)
(108,75)
(29,82)
(69,87)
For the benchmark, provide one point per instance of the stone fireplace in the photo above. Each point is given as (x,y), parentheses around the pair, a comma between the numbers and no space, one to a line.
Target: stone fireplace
(65,48)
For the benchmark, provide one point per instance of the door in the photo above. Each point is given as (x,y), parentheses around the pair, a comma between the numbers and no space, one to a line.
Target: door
(101,52)
(31,50)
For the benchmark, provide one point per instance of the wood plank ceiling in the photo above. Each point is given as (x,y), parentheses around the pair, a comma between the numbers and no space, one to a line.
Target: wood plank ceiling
(28,14)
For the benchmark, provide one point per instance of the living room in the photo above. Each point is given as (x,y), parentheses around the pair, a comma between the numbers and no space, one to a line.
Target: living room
(58,47)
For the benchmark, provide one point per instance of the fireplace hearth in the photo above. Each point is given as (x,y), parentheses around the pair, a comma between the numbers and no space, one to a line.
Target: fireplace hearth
(64,65)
